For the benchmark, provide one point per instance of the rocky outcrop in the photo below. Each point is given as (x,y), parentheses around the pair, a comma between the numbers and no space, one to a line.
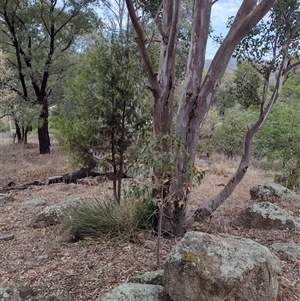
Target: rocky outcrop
(145,287)
(134,292)
(272,191)
(206,165)
(55,214)
(266,215)
(205,267)
(289,249)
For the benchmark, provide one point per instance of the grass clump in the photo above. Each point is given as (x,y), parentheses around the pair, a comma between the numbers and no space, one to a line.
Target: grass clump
(108,219)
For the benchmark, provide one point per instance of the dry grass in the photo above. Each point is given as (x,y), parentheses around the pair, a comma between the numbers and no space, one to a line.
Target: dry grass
(84,270)
(19,163)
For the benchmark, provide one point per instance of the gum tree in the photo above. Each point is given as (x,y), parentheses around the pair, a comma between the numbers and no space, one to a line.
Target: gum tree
(37,37)
(272,47)
(197,91)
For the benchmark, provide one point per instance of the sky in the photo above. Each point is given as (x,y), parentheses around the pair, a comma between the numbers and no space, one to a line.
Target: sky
(221,11)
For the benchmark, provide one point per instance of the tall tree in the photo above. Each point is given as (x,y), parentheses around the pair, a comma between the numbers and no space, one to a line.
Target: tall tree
(37,35)
(198,90)
(271,47)
(104,111)
(6,95)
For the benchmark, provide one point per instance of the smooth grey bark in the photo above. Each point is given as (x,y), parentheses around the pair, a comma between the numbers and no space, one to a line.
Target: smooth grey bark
(197,93)
(266,107)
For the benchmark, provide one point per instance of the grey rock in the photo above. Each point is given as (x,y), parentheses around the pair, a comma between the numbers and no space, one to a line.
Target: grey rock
(149,244)
(134,292)
(272,191)
(204,267)
(153,277)
(289,248)
(35,202)
(55,214)
(5,198)
(266,215)
(9,294)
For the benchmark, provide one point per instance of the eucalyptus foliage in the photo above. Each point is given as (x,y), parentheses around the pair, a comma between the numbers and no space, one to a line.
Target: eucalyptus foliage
(229,135)
(248,83)
(279,142)
(38,37)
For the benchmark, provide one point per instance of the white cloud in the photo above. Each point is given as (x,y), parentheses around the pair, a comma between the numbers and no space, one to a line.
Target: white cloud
(223,9)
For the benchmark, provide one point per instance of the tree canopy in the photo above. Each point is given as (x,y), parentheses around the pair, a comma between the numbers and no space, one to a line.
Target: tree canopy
(37,37)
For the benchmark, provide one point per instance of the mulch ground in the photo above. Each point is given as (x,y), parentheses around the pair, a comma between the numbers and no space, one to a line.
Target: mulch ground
(85,270)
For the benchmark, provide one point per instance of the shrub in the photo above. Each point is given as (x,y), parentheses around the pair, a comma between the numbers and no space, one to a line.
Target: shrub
(103,219)
(279,141)
(230,134)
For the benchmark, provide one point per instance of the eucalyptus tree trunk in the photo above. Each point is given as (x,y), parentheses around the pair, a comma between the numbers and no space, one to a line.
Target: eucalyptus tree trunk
(21,133)
(266,107)
(197,92)
(43,130)
(161,82)
(162,85)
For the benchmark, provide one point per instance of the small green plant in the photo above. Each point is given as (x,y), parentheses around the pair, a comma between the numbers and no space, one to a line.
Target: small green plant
(152,172)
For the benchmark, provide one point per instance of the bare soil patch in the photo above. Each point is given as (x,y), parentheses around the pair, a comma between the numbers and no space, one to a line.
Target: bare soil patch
(85,270)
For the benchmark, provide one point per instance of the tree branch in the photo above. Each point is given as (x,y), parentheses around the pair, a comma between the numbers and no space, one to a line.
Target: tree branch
(145,55)
(208,208)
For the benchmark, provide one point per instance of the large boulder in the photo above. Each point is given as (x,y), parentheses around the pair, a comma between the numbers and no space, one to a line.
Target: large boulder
(206,165)
(272,191)
(56,213)
(205,267)
(134,292)
(7,294)
(266,215)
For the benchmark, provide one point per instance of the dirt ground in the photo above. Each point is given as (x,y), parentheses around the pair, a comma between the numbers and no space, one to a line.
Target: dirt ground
(36,260)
